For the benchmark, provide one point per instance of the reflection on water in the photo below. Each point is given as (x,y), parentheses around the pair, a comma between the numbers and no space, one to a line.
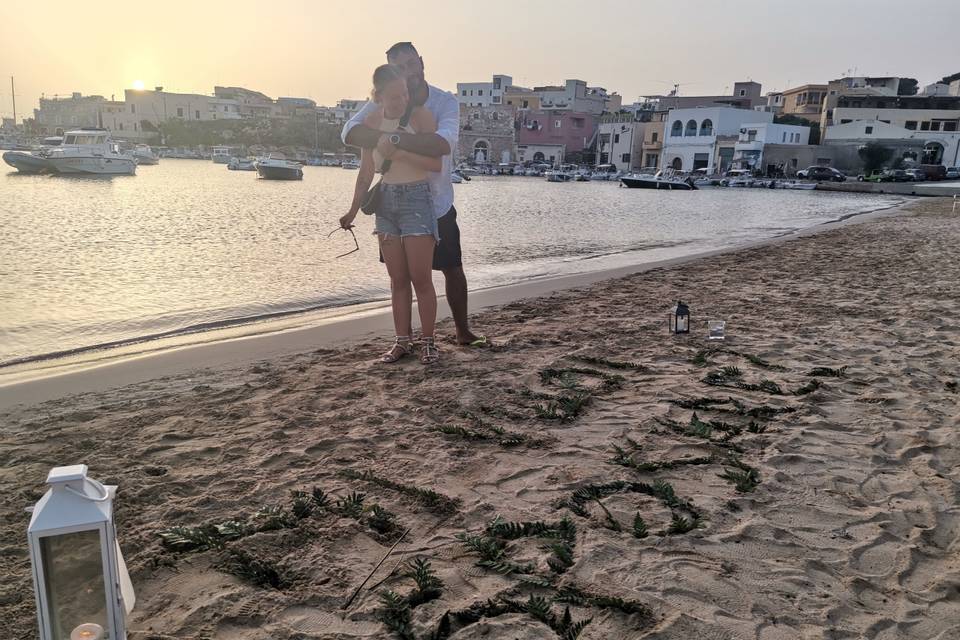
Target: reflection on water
(188,243)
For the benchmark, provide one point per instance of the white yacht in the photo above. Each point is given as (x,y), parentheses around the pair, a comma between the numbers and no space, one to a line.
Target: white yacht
(90,151)
(221,155)
(145,155)
(277,167)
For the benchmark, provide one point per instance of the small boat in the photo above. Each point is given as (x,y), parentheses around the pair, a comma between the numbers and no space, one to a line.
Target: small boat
(277,167)
(90,151)
(351,164)
(467,171)
(27,162)
(581,176)
(221,155)
(659,180)
(242,164)
(143,154)
(566,173)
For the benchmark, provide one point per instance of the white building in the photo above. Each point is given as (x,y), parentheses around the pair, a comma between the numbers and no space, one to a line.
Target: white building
(575,95)
(691,135)
(926,147)
(483,94)
(748,151)
(551,154)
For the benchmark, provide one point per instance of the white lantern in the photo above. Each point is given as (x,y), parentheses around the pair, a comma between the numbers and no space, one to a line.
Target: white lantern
(82,587)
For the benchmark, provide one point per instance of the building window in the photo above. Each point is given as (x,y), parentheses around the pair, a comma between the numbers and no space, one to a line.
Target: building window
(471,91)
(496,83)
(793,163)
(197,112)
(691,128)
(751,135)
(134,126)
(479,92)
(526,104)
(133,108)
(625,158)
(677,164)
(742,92)
(121,126)
(845,121)
(179,112)
(654,136)
(556,124)
(464,92)
(616,138)
(496,99)
(652,160)
(677,129)
(867,130)
(706,127)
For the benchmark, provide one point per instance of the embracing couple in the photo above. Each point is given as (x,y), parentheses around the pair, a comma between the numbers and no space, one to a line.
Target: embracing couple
(408,133)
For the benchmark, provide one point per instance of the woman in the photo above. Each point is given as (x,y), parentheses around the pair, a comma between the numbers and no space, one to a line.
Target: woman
(406,226)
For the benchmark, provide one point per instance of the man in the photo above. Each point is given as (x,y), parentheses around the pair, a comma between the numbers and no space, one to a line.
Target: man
(445,108)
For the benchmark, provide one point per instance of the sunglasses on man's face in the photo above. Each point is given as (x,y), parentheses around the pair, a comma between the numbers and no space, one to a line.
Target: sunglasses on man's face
(356,244)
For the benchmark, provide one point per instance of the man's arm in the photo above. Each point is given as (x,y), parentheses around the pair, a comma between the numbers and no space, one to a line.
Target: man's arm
(442,142)
(357,134)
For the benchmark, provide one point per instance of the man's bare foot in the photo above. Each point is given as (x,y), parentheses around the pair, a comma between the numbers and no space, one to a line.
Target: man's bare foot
(470,339)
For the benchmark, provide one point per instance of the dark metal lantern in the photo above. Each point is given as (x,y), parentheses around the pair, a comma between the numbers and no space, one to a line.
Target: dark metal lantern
(680,318)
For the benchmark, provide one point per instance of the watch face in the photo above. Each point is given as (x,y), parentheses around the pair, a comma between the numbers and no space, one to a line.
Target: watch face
(394,139)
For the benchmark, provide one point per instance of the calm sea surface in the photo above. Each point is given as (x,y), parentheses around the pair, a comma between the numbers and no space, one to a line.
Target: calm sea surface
(87,262)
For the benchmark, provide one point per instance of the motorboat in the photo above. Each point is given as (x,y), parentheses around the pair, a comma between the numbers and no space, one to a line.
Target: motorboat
(145,155)
(90,151)
(604,172)
(350,164)
(566,173)
(26,162)
(581,176)
(277,167)
(659,180)
(242,164)
(467,171)
(221,155)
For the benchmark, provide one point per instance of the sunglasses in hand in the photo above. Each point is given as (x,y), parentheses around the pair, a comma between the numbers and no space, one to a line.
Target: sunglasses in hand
(356,244)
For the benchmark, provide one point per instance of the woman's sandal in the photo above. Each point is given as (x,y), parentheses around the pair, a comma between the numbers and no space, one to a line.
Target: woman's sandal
(401,347)
(428,351)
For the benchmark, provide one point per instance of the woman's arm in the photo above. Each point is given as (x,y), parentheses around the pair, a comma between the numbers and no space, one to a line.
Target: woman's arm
(364,180)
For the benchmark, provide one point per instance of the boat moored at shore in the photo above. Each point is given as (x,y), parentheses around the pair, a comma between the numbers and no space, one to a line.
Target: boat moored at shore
(90,151)
(144,155)
(277,167)
(659,180)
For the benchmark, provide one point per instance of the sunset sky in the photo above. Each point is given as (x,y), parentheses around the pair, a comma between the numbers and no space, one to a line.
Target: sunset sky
(326,51)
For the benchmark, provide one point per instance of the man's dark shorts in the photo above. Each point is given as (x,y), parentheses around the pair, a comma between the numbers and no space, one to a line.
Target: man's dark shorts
(446,255)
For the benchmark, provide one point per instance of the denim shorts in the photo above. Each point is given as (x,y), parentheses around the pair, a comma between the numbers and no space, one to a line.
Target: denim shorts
(407,210)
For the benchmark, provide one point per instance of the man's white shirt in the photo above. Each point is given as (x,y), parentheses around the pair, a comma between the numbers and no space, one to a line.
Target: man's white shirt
(446,110)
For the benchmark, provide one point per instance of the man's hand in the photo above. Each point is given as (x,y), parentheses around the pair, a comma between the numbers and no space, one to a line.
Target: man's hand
(385,147)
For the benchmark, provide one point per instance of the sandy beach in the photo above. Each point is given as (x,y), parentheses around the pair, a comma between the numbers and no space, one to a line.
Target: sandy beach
(797,480)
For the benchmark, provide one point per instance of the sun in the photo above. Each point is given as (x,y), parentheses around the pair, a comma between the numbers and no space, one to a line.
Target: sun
(138,85)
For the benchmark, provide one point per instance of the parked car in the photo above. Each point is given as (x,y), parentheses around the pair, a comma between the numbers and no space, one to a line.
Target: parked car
(916,175)
(953,173)
(934,171)
(895,175)
(876,176)
(821,173)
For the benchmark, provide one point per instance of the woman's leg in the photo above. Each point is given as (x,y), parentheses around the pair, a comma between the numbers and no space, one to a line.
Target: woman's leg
(400,295)
(419,264)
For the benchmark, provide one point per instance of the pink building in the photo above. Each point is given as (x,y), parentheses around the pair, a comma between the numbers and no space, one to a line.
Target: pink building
(574,130)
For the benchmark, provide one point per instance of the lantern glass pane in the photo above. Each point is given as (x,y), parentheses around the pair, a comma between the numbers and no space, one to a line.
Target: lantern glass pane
(73,574)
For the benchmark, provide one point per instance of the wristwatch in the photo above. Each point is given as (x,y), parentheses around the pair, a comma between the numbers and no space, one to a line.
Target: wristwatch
(394,139)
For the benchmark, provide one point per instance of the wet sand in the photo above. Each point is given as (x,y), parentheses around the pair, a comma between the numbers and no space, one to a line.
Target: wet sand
(823,506)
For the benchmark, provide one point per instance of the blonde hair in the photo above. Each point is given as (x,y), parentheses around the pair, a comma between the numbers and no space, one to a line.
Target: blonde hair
(382,76)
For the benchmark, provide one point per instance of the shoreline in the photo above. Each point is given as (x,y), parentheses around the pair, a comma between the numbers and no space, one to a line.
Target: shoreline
(798,480)
(286,333)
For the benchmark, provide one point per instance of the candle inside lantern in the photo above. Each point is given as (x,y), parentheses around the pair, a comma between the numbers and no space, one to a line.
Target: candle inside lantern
(87,631)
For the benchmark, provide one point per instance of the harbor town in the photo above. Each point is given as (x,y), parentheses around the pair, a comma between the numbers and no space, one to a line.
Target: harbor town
(606,322)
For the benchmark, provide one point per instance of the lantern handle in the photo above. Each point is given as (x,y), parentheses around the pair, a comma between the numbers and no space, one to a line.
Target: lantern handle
(103,489)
